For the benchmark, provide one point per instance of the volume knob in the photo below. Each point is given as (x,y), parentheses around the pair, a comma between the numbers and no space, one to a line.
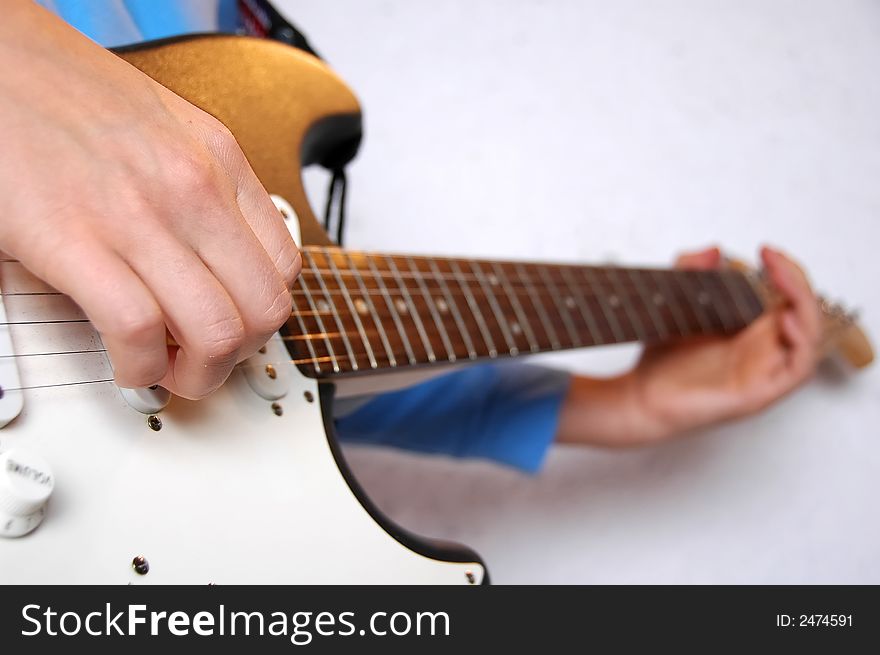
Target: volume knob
(26,482)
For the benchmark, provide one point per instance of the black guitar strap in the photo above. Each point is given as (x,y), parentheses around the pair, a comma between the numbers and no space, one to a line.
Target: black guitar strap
(260,18)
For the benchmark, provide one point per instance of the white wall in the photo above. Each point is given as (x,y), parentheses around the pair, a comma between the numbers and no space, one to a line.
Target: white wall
(586,130)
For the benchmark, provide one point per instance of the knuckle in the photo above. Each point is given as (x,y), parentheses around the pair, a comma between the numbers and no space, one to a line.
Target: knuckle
(190,172)
(276,314)
(225,338)
(195,176)
(289,263)
(221,140)
(136,326)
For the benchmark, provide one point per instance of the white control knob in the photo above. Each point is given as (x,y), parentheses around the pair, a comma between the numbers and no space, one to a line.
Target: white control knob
(26,482)
(147,400)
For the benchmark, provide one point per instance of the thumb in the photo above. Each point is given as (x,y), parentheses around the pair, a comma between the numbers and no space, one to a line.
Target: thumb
(699,260)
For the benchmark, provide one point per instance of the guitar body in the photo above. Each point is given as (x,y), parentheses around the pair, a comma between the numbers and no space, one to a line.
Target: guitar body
(246,486)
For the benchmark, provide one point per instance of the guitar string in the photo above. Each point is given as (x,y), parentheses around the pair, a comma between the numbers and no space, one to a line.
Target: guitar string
(586,290)
(297,313)
(492,278)
(827,338)
(246,364)
(549,285)
(4,390)
(305,361)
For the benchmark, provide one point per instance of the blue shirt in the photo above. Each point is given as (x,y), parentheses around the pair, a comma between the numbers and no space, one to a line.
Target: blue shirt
(507,413)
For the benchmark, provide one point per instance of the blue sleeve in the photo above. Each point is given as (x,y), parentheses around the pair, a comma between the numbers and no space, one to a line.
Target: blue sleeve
(507,413)
(121,22)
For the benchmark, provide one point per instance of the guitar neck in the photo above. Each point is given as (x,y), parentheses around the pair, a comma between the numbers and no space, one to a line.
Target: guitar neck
(359,312)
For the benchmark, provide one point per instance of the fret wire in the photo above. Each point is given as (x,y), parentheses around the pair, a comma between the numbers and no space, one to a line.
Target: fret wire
(562,308)
(420,328)
(320,322)
(475,310)
(380,326)
(656,319)
(694,302)
(721,312)
(728,299)
(610,316)
(661,279)
(309,345)
(456,315)
(538,305)
(496,308)
(517,307)
(733,290)
(401,331)
(429,301)
(337,320)
(351,308)
(586,314)
(633,317)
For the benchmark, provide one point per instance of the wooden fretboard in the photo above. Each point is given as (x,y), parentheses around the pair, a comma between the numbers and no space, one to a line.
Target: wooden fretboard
(360,312)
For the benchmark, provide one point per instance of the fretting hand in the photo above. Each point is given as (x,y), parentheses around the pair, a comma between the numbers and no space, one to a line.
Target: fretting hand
(680,387)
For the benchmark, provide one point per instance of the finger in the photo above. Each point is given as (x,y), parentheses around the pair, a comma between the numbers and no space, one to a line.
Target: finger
(268,225)
(700,260)
(199,314)
(790,281)
(119,305)
(249,277)
(255,204)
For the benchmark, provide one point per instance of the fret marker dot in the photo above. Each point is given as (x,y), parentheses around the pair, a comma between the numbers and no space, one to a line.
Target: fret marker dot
(493,279)
(361,306)
(401,305)
(515,328)
(614,301)
(658,299)
(442,306)
(569,302)
(703,298)
(323,306)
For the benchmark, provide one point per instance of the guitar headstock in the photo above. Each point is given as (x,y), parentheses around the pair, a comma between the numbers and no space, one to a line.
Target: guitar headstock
(842,336)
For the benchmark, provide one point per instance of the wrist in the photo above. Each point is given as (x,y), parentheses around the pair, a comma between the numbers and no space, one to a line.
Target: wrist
(611,412)
(648,414)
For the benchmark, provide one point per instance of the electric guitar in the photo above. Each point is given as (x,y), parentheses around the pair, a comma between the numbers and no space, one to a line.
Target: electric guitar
(249,485)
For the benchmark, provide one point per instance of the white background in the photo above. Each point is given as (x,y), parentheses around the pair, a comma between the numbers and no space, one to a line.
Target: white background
(594,131)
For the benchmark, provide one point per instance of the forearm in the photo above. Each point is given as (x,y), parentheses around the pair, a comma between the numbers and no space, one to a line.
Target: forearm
(608,412)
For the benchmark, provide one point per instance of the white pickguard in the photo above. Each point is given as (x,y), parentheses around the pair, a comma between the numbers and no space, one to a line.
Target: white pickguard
(227,492)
